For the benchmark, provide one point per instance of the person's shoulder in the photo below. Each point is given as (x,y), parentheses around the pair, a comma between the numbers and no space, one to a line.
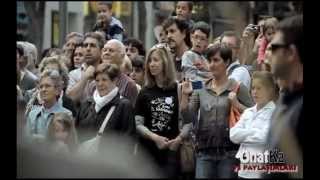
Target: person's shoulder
(116,21)
(75,71)
(35,109)
(29,75)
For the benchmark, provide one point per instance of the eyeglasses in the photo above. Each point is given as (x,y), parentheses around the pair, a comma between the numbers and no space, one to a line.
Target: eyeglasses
(274,47)
(199,38)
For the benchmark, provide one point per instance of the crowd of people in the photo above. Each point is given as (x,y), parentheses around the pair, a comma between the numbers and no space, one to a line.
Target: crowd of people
(152,102)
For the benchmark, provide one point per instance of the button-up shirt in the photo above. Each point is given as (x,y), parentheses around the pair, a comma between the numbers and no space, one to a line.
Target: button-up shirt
(39,119)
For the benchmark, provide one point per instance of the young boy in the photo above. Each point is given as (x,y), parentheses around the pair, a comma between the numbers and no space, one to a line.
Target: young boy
(108,24)
(194,64)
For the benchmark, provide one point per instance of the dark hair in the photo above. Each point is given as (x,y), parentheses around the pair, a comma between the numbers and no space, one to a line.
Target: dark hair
(137,44)
(292,30)
(111,70)
(108,4)
(202,26)
(225,52)
(72,54)
(98,36)
(231,34)
(182,25)
(138,62)
(20,50)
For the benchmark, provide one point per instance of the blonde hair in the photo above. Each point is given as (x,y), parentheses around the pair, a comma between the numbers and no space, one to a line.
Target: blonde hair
(267,80)
(63,70)
(68,124)
(169,79)
(270,23)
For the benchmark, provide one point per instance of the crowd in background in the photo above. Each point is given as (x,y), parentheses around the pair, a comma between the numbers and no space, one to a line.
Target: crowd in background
(171,99)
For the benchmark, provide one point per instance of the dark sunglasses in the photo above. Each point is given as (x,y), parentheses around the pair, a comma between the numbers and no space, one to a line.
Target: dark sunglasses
(274,47)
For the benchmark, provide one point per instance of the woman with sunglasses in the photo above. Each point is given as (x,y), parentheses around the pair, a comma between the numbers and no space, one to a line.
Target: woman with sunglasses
(157,110)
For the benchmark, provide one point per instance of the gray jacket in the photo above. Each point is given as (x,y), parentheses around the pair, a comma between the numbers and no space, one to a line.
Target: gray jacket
(212,128)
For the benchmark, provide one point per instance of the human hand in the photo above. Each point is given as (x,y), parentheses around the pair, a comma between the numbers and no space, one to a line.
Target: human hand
(186,87)
(89,72)
(161,142)
(175,143)
(233,98)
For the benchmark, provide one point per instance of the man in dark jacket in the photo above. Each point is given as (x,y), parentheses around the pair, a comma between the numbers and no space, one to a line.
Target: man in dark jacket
(286,129)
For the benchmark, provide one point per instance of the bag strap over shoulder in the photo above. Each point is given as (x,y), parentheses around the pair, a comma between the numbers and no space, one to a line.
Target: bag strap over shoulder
(106,120)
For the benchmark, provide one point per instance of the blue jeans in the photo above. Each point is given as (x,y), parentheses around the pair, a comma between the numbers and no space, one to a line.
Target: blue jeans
(218,165)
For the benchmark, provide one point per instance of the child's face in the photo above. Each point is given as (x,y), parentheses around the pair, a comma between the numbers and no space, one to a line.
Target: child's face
(59,132)
(104,13)
(269,34)
(199,41)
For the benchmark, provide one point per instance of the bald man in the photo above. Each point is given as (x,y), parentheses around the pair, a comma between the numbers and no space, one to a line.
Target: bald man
(114,52)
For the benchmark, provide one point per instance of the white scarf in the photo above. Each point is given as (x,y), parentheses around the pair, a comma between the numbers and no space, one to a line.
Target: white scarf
(102,101)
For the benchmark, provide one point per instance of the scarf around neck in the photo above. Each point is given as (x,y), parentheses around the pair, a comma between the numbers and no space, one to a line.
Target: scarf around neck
(100,102)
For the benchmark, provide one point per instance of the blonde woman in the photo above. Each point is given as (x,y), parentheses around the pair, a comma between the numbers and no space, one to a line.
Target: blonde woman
(252,129)
(157,110)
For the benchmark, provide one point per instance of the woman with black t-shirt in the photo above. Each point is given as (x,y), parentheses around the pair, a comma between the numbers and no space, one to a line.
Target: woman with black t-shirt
(157,110)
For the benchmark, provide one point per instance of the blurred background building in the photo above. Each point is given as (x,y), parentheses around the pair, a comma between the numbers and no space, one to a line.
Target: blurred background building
(45,23)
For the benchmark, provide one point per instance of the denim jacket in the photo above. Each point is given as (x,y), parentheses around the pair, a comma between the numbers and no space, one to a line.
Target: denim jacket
(39,119)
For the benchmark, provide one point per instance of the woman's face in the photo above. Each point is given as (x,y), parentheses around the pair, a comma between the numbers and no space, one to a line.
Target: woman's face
(78,57)
(155,64)
(60,132)
(48,90)
(217,66)
(104,84)
(261,94)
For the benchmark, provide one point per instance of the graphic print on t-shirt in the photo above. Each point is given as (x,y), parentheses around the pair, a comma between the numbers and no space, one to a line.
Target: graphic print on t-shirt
(161,113)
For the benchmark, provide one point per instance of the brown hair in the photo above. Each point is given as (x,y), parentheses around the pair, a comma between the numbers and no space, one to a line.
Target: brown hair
(269,23)
(68,124)
(168,67)
(111,70)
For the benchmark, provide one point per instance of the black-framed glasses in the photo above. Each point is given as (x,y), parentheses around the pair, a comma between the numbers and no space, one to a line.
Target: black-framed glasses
(274,47)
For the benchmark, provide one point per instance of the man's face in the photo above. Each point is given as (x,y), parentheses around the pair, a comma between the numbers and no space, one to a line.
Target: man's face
(92,52)
(199,41)
(104,14)
(111,53)
(182,10)
(131,52)
(175,36)
(280,65)
(231,42)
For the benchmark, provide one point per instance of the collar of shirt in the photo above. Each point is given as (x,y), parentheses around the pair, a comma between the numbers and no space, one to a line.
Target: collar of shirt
(230,85)
(269,105)
(52,109)
(22,73)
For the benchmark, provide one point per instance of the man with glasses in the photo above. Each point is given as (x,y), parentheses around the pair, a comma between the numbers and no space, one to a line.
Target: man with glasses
(235,70)
(286,129)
